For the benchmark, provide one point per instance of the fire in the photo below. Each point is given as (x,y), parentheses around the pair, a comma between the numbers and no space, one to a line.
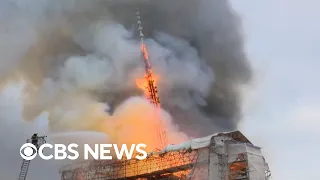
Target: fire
(148,85)
(142,83)
(145,53)
(157,125)
(135,121)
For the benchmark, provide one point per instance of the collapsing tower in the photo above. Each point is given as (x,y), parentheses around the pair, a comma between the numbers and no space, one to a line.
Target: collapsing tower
(151,89)
(222,156)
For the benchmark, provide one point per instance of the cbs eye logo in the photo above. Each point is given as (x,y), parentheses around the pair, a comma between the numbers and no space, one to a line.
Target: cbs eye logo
(28,151)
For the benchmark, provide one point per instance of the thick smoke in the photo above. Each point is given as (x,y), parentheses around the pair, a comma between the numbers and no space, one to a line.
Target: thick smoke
(78,52)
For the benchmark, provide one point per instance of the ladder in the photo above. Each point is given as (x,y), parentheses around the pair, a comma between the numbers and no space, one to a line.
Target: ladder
(26,163)
(24,170)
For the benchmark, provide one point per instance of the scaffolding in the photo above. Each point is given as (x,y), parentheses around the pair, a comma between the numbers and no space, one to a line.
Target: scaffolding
(217,157)
(157,167)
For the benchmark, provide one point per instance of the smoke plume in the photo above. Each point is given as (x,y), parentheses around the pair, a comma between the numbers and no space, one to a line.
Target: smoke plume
(76,55)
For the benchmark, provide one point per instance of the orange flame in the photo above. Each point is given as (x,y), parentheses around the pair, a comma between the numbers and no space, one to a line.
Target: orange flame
(144,51)
(142,83)
(148,85)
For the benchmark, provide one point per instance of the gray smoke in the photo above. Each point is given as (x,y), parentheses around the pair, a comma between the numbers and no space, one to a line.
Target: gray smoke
(66,49)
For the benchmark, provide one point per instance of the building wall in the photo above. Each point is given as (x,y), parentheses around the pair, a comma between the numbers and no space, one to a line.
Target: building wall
(209,163)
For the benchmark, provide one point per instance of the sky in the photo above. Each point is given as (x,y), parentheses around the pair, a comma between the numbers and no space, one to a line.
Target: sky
(283,113)
(282,107)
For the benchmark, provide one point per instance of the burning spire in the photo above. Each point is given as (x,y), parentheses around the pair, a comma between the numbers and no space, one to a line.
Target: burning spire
(151,91)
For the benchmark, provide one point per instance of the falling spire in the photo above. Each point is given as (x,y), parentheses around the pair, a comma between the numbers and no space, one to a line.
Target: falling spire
(151,89)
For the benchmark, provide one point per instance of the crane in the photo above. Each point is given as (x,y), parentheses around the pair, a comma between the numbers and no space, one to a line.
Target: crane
(37,141)
(151,89)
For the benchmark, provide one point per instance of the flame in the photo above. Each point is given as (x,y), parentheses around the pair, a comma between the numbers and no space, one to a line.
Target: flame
(142,83)
(145,53)
(148,85)
(135,122)
(132,122)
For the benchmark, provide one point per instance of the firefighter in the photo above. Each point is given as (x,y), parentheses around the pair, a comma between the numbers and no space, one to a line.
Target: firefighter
(34,139)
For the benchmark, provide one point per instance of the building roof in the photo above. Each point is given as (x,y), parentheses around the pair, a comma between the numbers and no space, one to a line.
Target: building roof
(236,135)
(203,142)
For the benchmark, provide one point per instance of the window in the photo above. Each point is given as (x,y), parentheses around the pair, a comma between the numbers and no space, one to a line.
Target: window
(239,168)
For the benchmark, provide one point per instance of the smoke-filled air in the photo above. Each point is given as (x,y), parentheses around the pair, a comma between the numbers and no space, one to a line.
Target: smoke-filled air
(80,62)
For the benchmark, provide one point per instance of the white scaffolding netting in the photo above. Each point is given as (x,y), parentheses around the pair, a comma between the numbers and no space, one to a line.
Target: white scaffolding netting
(191,144)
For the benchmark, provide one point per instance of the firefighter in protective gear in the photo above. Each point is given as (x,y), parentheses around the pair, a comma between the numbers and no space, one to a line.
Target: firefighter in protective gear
(34,139)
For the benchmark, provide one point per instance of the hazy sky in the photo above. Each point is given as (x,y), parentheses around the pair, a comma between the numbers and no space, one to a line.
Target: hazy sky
(283,112)
(283,115)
